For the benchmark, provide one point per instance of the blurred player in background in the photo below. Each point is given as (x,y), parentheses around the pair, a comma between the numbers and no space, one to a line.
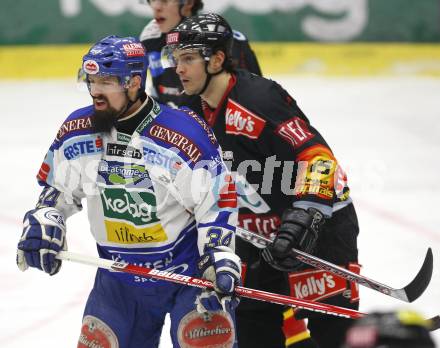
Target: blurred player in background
(167,15)
(400,329)
(293,185)
(152,177)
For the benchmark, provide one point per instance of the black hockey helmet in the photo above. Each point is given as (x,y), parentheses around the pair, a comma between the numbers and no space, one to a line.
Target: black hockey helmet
(207,33)
(401,329)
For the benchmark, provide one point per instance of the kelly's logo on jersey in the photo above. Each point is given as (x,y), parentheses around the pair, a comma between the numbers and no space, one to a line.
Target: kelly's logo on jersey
(240,120)
(315,285)
(295,131)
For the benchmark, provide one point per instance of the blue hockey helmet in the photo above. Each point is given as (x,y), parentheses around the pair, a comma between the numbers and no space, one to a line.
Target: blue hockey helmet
(123,57)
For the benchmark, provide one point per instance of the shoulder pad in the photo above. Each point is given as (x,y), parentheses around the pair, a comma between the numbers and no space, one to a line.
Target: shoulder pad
(239,36)
(184,130)
(78,122)
(151,31)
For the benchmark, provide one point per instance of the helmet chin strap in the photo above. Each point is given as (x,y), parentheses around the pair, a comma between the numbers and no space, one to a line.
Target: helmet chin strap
(208,77)
(128,105)
(139,95)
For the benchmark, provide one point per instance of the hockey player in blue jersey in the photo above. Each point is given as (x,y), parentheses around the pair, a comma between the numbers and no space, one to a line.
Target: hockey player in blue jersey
(158,195)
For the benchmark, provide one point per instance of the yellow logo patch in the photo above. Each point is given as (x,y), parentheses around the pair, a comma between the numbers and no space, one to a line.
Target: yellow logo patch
(124,233)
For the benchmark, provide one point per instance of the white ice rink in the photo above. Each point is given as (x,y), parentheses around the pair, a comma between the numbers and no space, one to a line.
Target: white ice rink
(385,131)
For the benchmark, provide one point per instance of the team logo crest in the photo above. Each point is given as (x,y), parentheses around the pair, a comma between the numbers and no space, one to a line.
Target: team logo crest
(96,333)
(214,331)
(91,67)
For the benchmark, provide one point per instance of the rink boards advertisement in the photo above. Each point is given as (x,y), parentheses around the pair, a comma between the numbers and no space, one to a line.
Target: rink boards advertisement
(301,37)
(84,21)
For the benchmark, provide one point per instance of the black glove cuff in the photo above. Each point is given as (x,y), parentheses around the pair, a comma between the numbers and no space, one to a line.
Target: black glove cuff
(297,216)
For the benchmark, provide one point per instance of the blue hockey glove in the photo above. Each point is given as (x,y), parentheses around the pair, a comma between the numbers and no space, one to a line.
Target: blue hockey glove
(223,267)
(43,237)
(300,230)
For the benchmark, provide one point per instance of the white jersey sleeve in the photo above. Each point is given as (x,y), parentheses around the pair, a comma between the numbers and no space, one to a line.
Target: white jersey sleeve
(201,182)
(61,172)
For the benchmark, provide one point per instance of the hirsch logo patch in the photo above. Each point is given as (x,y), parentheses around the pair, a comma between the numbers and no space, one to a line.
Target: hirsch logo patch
(240,120)
(90,67)
(295,131)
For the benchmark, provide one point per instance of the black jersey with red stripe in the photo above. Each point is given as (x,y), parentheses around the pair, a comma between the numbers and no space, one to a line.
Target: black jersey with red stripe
(281,159)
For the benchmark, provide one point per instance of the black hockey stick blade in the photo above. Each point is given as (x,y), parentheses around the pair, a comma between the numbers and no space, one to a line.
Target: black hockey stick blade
(434,323)
(419,284)
(407,294)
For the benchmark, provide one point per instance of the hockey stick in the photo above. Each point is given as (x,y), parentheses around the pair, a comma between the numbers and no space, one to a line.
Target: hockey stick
(408,294)
(202,283)
(434,322)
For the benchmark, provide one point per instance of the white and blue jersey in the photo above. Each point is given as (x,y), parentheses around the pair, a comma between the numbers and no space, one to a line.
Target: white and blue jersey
(157,198)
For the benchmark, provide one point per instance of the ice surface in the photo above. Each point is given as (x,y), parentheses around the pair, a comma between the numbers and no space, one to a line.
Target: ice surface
(384,131)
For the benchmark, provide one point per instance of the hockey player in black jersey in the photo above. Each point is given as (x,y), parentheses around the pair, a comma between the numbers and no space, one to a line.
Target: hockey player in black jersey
(167,15)
(167,88)
(294,187)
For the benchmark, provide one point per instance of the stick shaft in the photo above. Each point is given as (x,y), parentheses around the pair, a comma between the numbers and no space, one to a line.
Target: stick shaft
(202,283)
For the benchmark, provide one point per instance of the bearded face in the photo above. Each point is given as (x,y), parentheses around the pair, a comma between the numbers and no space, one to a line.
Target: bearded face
(109,101)
(103,120)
